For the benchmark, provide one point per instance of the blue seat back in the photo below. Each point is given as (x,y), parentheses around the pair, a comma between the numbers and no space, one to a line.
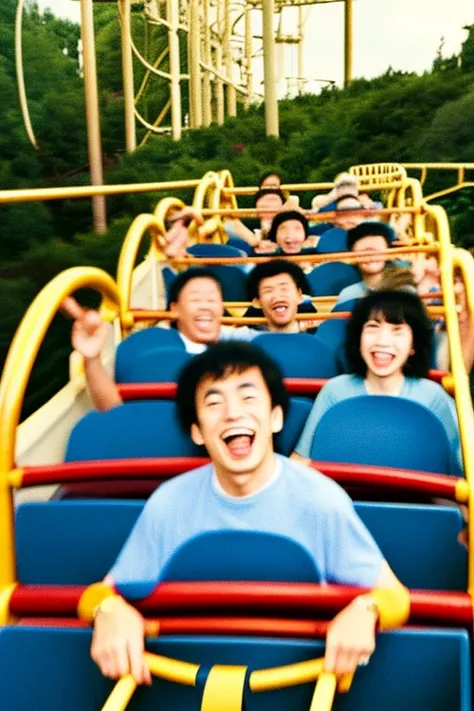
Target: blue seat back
(409,670)
(241,555)
(319,228)
(77,542)
(137,429)
(241,245)
(295,420)
(233,280)
(329,279)
(333,333)
(155,365)
(300,355)
(215,250)
(133,347)
(420,543)
(382,430)
(332,240)
(348,305)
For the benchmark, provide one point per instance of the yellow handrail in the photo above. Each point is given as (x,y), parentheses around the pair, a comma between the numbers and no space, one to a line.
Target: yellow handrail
(36,194)
(226,680)
(447,261)
(19,363)
(128,257)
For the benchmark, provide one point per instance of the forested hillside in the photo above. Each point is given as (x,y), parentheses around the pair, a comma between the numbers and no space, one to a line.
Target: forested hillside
(396,117)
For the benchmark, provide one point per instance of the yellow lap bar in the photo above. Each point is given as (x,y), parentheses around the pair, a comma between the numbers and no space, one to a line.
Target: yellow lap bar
(393,605)
(121,694)
(172,669)
(224,689)
(279,677)
(91,598)
(323,697)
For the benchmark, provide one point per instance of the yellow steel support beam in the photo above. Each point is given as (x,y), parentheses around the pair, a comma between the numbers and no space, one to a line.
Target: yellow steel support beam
(348,32)
(127,71)
(271,102)
(92,113)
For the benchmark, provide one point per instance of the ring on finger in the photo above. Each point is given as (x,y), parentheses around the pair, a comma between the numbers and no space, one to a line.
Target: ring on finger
(363,661)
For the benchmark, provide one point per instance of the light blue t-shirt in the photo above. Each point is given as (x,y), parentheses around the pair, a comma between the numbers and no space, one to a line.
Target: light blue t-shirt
(299,503)
(353,291)
(420,390)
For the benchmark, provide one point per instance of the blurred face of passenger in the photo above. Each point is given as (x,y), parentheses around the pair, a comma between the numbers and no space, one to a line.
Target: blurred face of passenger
(271,181)
(278,297)
(385,347)
(236,422)
(268,206)
(371,243)
(199,309)
(342,219)
(290,236)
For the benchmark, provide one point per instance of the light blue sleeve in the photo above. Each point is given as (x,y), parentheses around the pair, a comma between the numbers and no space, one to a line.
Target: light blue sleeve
(326,398)
(353,558)
(140,560)
(241,333)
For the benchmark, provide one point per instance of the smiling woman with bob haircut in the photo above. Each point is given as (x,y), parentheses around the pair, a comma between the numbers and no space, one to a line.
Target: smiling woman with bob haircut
(388,350)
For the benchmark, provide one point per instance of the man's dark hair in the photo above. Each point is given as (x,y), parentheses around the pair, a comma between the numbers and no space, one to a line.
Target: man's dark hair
(395,307)
(370,229)
(271,269)
(219,361)
(180,281)
(285,216)
(268,191)
(267,175)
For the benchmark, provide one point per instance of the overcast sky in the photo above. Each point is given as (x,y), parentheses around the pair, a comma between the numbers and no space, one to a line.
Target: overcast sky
(402,34)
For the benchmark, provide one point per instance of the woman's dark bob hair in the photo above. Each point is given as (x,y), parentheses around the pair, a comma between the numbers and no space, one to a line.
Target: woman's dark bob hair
(394,307)
(218,362)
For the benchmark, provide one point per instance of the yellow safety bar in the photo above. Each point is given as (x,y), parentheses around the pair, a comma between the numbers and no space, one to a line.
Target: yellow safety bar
(224,687)
(460,169)
(128,257)
(379,176)
(19,363)
(86,191)
(449,258)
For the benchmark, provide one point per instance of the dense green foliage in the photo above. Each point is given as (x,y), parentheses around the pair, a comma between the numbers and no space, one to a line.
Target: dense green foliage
(396,117)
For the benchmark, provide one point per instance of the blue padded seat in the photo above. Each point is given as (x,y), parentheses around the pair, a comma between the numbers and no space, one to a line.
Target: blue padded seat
(329,279)
(409,670)
(300,355)
(333,333)
(140,342)
(240,244)
(233,280)
(332,240)
(76,542)
(382,431)
(348,305)
(420,543)
(295,420)
(215,250)
(241,555)
(137,429)
(319,228)
(155,365)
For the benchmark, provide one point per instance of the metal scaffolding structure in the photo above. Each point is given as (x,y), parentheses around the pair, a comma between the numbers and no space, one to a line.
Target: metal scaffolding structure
(221,45)
(223,39)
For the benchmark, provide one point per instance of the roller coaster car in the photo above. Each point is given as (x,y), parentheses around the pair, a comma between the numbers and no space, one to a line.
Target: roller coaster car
(238,619)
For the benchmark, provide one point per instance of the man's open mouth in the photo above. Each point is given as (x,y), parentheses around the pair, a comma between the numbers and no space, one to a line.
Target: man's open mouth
(239,441)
